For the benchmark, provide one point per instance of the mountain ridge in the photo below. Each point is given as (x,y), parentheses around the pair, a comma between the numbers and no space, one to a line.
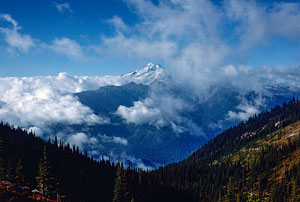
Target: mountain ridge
(201,118)
(231,172)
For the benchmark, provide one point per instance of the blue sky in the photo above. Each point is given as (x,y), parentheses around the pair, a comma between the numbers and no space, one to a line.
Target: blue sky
(83,22)
(114,37)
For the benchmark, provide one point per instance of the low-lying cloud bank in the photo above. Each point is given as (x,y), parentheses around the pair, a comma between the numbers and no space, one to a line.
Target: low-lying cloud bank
(35,102)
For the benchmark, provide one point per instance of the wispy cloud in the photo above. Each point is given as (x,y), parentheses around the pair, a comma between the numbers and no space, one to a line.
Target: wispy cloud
(197,37)
(24,42)
(199,41)
(63,7)
(178,30)
(8,18)
(13,37)
(125,158)
(113,139)
(68,47)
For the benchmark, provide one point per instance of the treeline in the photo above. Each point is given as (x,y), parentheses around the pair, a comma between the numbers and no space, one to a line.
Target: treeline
(53,168)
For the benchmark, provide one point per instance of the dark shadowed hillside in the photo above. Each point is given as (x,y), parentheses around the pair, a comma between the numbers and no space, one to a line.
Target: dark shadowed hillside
(57,171)
(258,158)
(108,98)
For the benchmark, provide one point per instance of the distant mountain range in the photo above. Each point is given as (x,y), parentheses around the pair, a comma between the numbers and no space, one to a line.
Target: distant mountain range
(146,118)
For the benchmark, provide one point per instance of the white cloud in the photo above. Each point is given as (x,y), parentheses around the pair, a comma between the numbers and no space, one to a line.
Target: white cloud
(114,139)
(159,111)
(246,79)
(63,7)
(13,38)
(16,40)
(125,158)
(68,47)
(179,31)
(36,130)
(120,140)
(78,138)
(230,70)
(44,105)
(258,22)
(289,76)
(36,102)
(118,23)
(195,38)
(141,113)
(245,112)
(8,18)
(81,140)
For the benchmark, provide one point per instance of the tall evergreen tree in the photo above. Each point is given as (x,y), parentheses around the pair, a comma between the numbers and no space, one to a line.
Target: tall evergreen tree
(43,174)
(9,171)
(2,168)
(230,196)
(120,189)
(272,194)
(294,194)
(19,177)
(220,197)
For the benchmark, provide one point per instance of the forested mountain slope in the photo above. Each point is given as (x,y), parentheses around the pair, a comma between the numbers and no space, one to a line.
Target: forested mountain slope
(256,159)
(32,169)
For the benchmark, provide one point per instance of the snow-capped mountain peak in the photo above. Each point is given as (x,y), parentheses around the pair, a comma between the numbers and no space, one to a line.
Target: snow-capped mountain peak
(147,74)
(150,67)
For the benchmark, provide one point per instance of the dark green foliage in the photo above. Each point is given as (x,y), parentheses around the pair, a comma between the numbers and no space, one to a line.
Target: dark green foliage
(2,169)
(250,197)
(230,195)
(120,189)
(44,184)
(294,191)
(9,171)
(72,176)
(204,180)
(69,173)
(19,177)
